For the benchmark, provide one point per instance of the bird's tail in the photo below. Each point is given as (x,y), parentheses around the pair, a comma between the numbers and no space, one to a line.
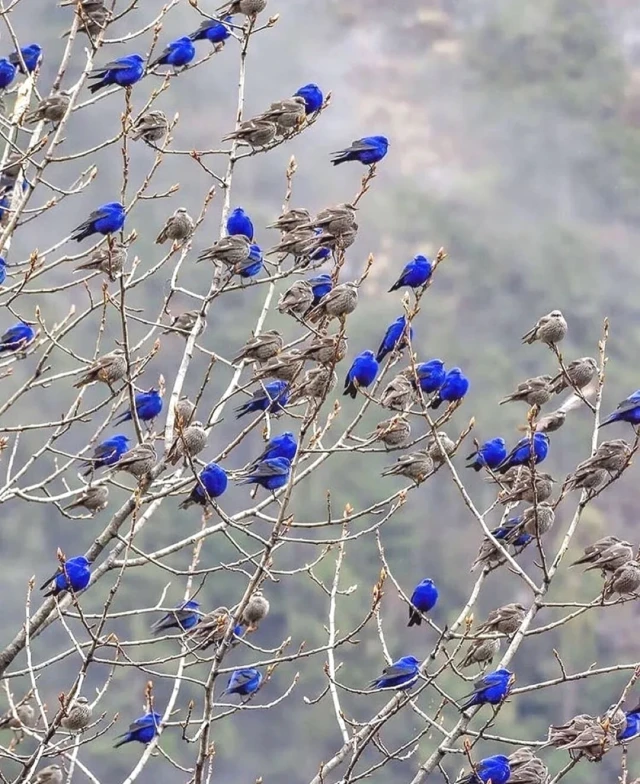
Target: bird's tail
(476,466)
(415,619)
(94,88)
(395,286)
(80,235)
(436,402)
(611,418)
(351,390)
(124,739)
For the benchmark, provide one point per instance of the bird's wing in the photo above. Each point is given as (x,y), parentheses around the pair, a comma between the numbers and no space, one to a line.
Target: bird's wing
(627,405)
(397,669)
(13,333)
(51,579)
(241,677)
(359,145)
(268,469)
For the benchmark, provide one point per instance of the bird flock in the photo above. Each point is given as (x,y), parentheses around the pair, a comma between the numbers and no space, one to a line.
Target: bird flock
(281,380)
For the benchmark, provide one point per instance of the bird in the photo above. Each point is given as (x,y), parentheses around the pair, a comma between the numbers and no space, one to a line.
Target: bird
(245,681)
(108,369)
(183,411)
(252,265)
(213,628)
(612,558)
(534,392)
(212,483)
(631,728)
(326,350)
(361,374)
(77,715)
(488,455)
(22,715)
(529,488)
(107,219)
(142,730)
(627,411)
(110,259)
(493,769)
(335,220)
(255,610)
(624,581)
(150,126)
(392,432)
(17,338)
(188,443)
(286,366)
(535,520)
(239,222)
(429,376)
(178,228)
(185,322)
(246,7)
(396,338)
(399,394)
(550,329)
(492,688)
(295,243)
(578,374)
(228,250)
(338,303)
(315,384)
(522,453)
(297,299)
(313,97)
(291,219)
(52,774)
(368,150)
(423,600)
(74,575)
(415,274)
(3,271)
(272,473)
(505,620)
(137,461)
(93,498)
(592,552)
(321,285)
(255,133)
(107,453)
(611,455)
(272,398)
(526,768)
(184,617)
(551,422)
(31,56)
(148,406)
(287,114)
(94,17)
(437,451)
(260,348)
(415,466)
(214,30)
(508,533)
(402,674)
(454,387)
(7,73)
(52,109)
(178,53)
(122,72)
(481,652)
(283,445)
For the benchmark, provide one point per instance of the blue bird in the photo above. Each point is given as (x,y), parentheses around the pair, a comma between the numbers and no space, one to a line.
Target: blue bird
(178,53)
(415,274)
(212,483)
(148,406)
(627,411)
(494,769)
(492,688)
(454,387)
(322,253)
(321,285)
(506,531)
(423,599)
(7,73)
(521,452)
(395,338)
(240,223)
(75,574)
(362,373)
(272,474)
(490,454)
(368,150)
(107,453)
(244,681)
(284,445)
(105,220)
(402,674)
(17,337)
(32,56)
(632,728)
(3,270)
(431,375)
(184,617)
(214,30)
(142,730)
(313,97)
(273,397)
(252,265)
(123,72)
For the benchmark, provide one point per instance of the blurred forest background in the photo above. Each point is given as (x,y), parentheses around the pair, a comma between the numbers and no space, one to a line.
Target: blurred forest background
(515,132)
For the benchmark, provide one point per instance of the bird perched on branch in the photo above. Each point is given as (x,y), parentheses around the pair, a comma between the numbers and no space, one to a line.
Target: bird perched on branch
(534,392)
(489,455)
(272,474)
(272,398)
(151,126)
(578,375)
(122,72)
(178,53)
(313,97)
(368,150)
(110,259)
(148,406)
(402,674)
(244,682)
(32,56)
(338,303)
(73,575)
(396,338)
(184,323)
(534,447)
(492,688)
(454,387)
(94,499)
(77,715)
(415,274)
(416,466)
(212,483)
(188,443)
(142,730)
(392,432)
(52,109)
(423,600)
(627,411)
(494,769)
(361,374)
(107,453)
(184,617)
(137,461)
(260,348)
(178,228)
(255,133)
(214,30)
(17,338)
(550,329)
(105,220)
(255,610)
(109,368)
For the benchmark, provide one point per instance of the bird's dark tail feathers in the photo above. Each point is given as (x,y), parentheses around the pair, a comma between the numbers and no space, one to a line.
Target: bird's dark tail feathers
(124,740)
(93,88)
(415,618)
(436,402)
(351,390)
